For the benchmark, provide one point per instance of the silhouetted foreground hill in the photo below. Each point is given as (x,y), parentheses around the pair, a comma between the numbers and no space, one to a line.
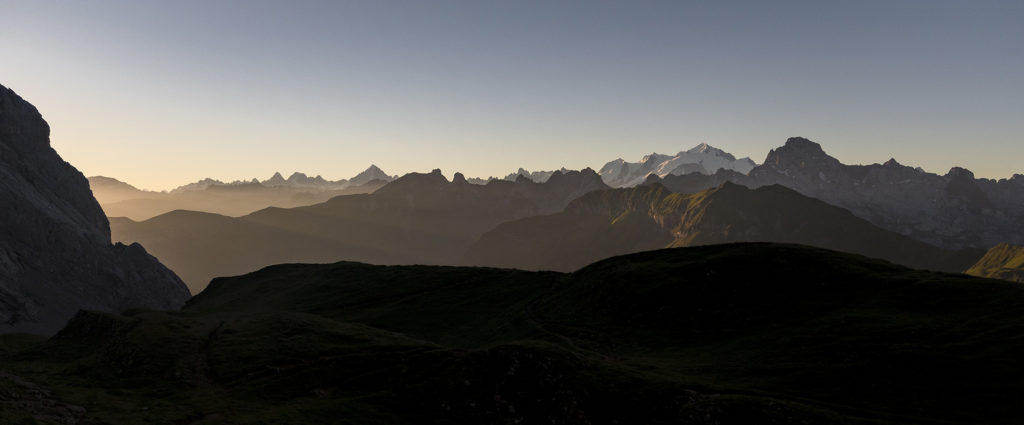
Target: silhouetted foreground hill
(420,218)
(727,334)
(1004,261)
(620,221)
(55,250)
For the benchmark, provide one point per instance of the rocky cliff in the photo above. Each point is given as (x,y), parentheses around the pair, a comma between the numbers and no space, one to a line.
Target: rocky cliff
(55,250)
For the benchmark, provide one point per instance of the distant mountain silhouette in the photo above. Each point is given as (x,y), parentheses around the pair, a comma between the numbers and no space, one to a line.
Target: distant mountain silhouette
(620,221)
(55,250)
(1003,261)
(237,198)
(296,180)
(419,218)
(537,176)
(703,159)
(109,190)
(369,174)
(952,211)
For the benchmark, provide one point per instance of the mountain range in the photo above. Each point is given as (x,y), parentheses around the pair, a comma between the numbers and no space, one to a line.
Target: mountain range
(420,218)
(297,180)
(952,211)
(120,199)
(714,329)
(425,219)
(613,222)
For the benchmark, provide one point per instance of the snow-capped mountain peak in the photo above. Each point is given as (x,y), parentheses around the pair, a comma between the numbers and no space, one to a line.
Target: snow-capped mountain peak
(703,158)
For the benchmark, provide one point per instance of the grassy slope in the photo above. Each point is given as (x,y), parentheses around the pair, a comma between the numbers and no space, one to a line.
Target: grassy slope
(1004,261)
(719,334)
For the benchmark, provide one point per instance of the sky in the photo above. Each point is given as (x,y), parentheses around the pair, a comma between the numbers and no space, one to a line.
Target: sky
(159,94)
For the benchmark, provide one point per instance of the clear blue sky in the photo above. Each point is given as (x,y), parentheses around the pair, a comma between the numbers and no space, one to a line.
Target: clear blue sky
(162,93)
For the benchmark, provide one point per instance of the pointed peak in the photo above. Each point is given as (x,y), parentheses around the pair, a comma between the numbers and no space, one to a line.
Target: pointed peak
(891,162)
(276,177)
(370,173)
(702,148)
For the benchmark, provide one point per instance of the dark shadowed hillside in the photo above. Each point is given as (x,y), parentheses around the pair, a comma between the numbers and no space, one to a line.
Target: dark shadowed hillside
(726,334)
(621,221)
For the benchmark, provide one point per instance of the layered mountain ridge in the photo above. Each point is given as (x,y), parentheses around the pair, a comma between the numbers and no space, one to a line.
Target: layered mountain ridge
(237,198)
(419,218)
(296,180)
(602,224)
(953,211)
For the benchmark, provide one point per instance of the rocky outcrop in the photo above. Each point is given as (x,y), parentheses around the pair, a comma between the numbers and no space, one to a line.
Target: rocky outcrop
(55,250)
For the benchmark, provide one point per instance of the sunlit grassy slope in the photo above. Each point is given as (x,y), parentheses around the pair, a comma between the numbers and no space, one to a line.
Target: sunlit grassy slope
(1004,261)
(727,334)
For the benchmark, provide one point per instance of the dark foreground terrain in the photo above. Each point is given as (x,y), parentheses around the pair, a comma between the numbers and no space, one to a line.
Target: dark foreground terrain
(727,334)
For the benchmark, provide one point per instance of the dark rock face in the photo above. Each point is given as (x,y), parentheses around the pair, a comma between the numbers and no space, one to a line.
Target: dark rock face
(55,250)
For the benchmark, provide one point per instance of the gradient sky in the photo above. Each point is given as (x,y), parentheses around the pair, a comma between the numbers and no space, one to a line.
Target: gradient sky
(159,94)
